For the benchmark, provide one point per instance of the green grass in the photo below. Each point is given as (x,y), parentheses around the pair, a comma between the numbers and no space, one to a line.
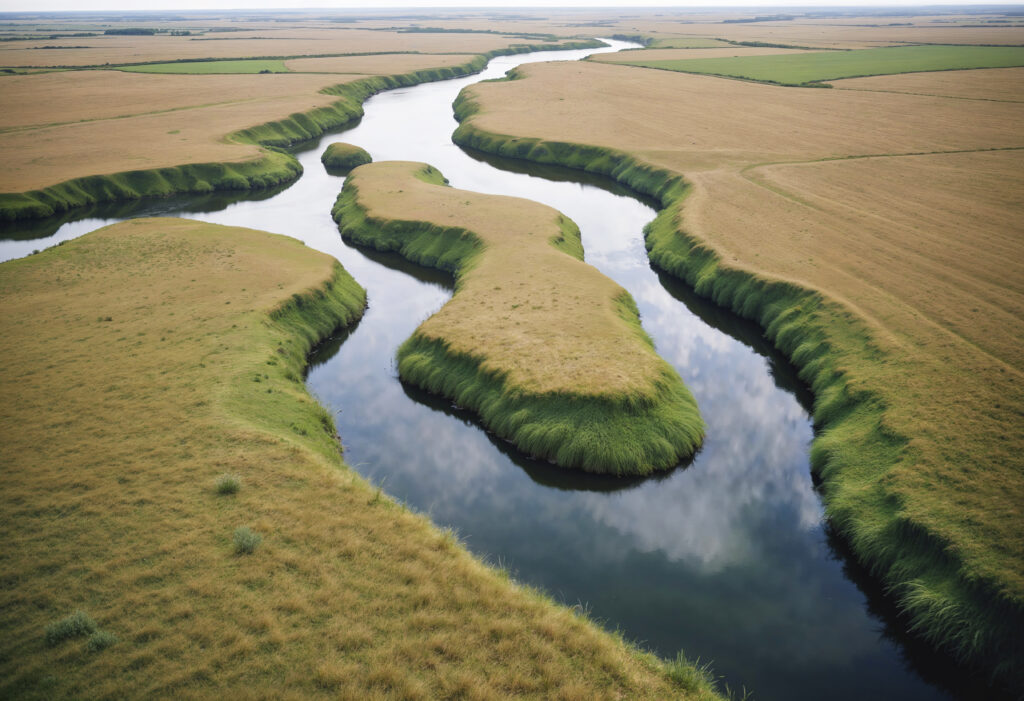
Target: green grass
(209,67)
(804,69)
(76,625)
(342,157)
(944,601)
(686,43)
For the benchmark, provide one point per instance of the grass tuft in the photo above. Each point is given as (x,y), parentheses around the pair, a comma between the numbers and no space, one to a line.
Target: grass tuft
(246,540)
(228,484)
(76,625)
(100,640)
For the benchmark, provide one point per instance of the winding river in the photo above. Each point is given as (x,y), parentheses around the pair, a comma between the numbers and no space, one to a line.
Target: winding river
(727,558)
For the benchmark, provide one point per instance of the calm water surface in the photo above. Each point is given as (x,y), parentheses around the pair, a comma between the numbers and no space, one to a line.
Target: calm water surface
(727,558)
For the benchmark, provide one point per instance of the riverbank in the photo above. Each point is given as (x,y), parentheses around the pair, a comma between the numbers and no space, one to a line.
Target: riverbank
(181,418)
(269,140)
(904,439)
(544,348)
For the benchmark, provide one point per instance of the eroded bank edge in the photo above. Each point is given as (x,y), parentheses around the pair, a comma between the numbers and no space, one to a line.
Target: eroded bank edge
(273,167)
(945,604)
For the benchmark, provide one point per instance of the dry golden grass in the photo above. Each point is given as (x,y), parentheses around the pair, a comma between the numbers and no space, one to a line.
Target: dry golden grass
(292,42)
(192,132)
(110,454)
(1005,84)
(550,322)
(925,251)
(80,96)
(693,123)
(394,64)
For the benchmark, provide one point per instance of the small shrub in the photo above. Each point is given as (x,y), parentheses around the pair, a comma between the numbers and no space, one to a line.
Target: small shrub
(100,640)
(74,626)
(246,540)
(228,484)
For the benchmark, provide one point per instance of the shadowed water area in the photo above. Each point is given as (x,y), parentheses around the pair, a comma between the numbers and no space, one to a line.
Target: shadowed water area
(727,557)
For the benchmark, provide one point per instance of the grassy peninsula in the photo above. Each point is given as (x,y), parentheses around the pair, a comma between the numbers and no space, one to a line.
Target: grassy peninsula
(177,518)
(544,348)
(919,410)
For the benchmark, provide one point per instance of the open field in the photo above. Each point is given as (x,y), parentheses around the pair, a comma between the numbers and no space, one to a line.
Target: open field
(641,57)
(688,43)
(162,121)
(204,67)
(377,64)
(183,346)
(303,42)
(547,350)
(815,67)
(893,282)
(1004,84)
(175,149)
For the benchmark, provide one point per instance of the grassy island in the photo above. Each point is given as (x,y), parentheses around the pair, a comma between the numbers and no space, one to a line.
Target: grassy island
(178,521)
(839,221)
(341,157)
(543,347)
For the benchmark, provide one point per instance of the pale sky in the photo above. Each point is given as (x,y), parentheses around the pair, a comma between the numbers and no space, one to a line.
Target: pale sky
(136,5)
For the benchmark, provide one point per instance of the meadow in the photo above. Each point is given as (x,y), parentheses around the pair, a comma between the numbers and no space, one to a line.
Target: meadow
(207,67)
(181,522)
(876,237)
(816,67)
(547,350)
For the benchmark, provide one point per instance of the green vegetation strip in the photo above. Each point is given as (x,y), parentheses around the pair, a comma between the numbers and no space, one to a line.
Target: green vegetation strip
(274,167)
(944,600)
(687,43)
(544,348)
(811,68)
(206,67)
(182,511)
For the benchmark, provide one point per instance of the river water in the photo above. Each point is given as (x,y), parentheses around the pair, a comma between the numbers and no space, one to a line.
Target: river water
(727,558)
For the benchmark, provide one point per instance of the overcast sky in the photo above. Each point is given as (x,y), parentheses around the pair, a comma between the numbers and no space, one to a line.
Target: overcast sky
(44,5)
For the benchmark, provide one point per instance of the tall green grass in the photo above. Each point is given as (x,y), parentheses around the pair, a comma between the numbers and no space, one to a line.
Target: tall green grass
(256,65)
(628,435)
(945,602)
(812,68)
(274,167)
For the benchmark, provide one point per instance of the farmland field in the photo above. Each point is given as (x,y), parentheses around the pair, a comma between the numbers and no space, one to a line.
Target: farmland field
(204,67)
(816,67)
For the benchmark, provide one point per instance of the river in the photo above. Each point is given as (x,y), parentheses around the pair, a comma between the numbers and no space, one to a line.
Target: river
(728,558)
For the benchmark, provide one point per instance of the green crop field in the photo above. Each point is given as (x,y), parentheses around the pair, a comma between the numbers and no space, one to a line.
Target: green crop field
(801,69)
(687,43)
(242,66)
